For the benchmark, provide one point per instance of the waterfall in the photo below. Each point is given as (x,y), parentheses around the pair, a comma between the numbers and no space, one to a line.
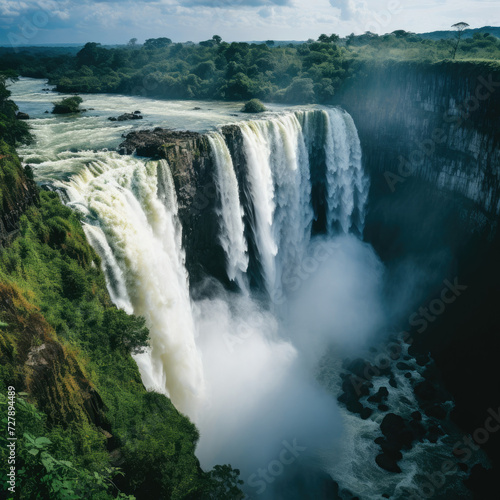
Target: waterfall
(280,188)
(230,213)
(130,211)
(278,169)
(347,186)
(131,217)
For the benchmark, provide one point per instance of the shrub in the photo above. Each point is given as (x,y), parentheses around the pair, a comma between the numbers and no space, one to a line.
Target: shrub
(67,105)
(253,106)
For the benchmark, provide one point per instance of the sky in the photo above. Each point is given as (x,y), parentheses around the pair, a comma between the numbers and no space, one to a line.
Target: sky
(34,22)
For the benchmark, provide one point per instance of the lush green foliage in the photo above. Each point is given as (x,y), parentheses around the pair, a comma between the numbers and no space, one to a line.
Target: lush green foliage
(51,264)
(12,130)
(67,105)
(253,106)
(296,73)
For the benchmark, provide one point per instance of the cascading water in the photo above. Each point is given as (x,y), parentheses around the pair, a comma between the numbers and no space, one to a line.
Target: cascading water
(278,165)
(347,186)
(131,209)
(230,213)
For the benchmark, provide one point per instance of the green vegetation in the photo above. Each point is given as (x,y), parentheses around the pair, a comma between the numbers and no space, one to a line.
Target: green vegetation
(253,106)
(67,105)
(86,426)
(11,129)
(213,69)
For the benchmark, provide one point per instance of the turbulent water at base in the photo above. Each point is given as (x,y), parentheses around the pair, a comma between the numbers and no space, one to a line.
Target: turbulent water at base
(246,373)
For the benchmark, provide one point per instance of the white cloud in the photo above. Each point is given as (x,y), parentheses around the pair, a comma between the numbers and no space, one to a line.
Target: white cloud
(111,21)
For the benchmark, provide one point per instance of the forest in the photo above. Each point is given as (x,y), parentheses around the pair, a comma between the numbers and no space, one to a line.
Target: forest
(311,72)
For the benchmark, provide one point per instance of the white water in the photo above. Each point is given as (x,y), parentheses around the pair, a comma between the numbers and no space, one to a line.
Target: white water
(347,185)
(232,229)
(133,205)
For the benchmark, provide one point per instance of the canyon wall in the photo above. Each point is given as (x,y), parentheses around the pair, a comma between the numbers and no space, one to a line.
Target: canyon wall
(430,136)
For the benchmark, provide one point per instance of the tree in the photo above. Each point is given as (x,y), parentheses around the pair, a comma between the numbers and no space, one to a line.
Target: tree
(132,42)
(333,38)
(157,43)
(90,55)
(460,27)
(217,39)
(67,105)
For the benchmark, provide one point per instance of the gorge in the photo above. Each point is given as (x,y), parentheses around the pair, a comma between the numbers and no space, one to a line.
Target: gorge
(273,257)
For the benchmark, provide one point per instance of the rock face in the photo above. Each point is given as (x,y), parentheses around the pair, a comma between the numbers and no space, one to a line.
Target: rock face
(431,144)
(437,123)
(191,162)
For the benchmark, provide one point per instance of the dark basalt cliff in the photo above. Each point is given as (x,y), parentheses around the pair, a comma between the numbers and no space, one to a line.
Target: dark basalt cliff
(430,136)
(439,123)
(192,165)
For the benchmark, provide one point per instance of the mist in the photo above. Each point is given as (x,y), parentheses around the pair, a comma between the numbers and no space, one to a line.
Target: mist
(259,362)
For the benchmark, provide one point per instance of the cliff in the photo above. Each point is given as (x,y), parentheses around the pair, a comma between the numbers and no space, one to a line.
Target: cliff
(430,135)
(438,122)
(189,157)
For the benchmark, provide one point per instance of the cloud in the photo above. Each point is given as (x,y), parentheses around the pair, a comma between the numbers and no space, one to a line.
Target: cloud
(231,4)
(348,8)
(113,21)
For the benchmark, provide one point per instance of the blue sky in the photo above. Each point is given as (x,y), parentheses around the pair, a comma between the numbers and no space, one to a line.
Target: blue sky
(111,21)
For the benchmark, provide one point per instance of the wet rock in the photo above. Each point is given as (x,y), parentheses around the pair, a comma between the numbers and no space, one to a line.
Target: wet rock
(434,433)
(22,116)
(125,117)
(386,462)
(425,391)
(416,415)
(422,359)
(436,411)
(365,413)
(403,366)
(398,433)
(408,375)
(381,395)
(393,383)
(383,407)
(196,108)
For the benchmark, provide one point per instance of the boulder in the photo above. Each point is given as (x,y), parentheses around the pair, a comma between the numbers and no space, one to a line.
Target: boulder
(381,395)
(403,366)
(126,117)
(387,463)
(22,116)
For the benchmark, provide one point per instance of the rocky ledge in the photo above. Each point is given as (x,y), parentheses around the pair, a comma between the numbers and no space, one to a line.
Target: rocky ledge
(190,159)
(153,143)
